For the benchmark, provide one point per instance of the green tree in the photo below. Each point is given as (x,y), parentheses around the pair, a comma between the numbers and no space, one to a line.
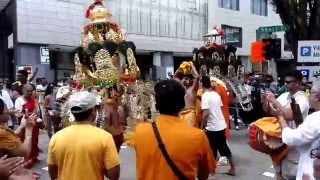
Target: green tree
(303,17)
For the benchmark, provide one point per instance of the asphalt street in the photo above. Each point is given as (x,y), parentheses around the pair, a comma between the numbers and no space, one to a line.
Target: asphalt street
(249,163)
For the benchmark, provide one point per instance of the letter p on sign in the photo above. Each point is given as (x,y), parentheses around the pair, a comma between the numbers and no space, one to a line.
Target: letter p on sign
(305,51)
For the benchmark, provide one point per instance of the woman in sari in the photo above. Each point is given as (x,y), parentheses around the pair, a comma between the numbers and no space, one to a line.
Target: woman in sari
(27,104)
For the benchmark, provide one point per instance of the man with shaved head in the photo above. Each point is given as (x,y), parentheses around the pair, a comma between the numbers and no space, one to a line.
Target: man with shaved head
(27,104)
(306,137)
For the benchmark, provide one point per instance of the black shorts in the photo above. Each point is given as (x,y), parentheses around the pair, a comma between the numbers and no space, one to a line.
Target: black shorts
(218,142)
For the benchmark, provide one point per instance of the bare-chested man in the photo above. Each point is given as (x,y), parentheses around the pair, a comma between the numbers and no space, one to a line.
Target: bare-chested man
(191,83)
(113,123)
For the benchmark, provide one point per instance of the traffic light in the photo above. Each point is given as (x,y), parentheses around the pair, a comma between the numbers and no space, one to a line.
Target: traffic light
(267,49)
(276,46)
(256,52)
(271,48)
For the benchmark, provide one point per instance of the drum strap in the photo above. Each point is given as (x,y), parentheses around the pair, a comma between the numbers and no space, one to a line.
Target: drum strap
(162,147)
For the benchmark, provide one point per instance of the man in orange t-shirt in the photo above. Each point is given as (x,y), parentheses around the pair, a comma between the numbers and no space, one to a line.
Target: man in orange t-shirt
(187,146)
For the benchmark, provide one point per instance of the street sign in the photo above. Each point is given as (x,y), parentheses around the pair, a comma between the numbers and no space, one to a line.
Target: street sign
(309,51)
(271,29)
(310,72)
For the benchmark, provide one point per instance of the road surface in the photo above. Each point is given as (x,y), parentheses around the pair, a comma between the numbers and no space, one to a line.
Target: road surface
(249,163)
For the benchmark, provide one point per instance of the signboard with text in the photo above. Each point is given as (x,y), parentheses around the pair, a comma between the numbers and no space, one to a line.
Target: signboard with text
(310,72)
(44,55)
(309,51)
(271,29)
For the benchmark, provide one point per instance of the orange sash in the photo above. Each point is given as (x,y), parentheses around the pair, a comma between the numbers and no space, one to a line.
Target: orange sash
(189,116)
(279,155)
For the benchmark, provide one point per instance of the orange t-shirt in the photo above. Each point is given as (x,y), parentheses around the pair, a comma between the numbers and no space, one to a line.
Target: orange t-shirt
(225,109)
(187,146)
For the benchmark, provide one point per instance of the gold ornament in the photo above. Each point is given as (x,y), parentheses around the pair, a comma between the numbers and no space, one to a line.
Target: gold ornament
(112,36)
(89,38)
(216,70)
(105,68)
(133,70)
(78,75)
(99,14)
(231,71)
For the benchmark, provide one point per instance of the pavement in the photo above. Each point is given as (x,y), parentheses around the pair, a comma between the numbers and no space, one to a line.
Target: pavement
(250,164)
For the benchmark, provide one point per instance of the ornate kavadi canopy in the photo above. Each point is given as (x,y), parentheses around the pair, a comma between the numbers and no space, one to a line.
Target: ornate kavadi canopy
(104,57)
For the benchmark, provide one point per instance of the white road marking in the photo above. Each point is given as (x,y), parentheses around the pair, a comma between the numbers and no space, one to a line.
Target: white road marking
(123,147)
(271,167)
(269,174)
(45,168)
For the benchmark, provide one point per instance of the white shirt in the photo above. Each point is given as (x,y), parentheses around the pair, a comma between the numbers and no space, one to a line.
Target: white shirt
(7,100)
(289,164)
(248,88)
(212,101)
(301,99)
(41,88)
(306,137)
(20,101)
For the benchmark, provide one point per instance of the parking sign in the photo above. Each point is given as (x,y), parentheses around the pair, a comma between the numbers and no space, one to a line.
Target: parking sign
(305,72)
(306,51)
(310,72)
(309,51)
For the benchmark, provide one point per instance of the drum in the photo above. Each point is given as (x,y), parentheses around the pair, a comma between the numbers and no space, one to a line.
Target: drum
(261,142)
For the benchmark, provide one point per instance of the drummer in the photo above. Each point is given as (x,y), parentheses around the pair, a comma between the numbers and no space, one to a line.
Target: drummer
(306,136)
(289,163)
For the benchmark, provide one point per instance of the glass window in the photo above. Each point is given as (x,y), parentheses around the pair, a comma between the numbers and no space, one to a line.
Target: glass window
(167,18)
(133,20)
(172,29)
(180,26)
(259,7)
(154,23)
(233,35)
(163,24)
(188,27)
(229,4)
(123,19)
(192,4)
(144,21)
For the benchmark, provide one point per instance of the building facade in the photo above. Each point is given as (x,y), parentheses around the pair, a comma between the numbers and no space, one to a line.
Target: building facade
(240,19)
(164,32)
(44,32)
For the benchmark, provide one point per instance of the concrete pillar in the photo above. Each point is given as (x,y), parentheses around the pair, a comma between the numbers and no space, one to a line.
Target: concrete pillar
(157,59)
(167,61)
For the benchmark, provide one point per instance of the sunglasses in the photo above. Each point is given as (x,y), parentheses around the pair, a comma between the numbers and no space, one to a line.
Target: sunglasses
(314,153)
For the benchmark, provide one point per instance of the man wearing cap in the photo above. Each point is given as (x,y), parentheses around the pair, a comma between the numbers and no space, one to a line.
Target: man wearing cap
(82,151)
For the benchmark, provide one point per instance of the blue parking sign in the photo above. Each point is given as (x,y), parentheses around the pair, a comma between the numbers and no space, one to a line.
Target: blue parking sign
(305,51)
(305,72)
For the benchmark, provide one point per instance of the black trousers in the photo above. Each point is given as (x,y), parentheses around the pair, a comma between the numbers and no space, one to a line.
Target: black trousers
(218,142)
